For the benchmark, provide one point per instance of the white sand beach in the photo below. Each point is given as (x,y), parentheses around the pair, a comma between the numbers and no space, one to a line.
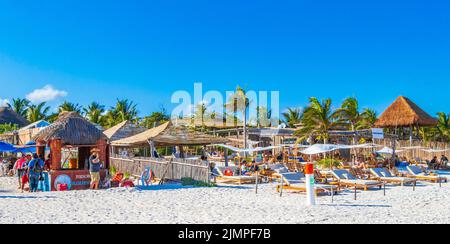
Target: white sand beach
(225,204)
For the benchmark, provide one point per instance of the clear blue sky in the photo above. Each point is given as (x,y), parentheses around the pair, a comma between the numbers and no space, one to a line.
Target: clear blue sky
(145,50)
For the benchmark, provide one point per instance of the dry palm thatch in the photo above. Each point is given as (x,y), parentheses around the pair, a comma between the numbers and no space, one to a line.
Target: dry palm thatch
(123,130)
(170,135)
(71,129)
(8,116)
(404,113)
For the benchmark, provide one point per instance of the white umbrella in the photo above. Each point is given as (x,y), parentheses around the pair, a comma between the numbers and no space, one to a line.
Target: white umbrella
(387,150)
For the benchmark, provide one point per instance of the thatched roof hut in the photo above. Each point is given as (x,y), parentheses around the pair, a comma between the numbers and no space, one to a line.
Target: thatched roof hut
(123,130)
(71,129)
(8,116)
(404,113)
(169,135)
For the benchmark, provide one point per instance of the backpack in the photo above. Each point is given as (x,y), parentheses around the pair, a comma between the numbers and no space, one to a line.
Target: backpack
(36,167)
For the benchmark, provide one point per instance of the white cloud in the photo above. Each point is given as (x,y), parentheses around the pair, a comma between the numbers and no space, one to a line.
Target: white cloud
(45,94)
(4,102)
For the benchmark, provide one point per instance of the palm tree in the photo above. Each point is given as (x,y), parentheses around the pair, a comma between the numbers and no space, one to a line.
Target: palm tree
(349,113)
(37,112)
(292,117)
(20,106)
(263,116)
(69,107)
(125,110)
(94,113)
(368,119)
(318,119)
(200,111)
(443,127)
(240,103)
(155,119)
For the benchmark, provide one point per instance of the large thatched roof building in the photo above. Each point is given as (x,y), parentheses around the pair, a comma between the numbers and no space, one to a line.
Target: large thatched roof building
(404,113)
(123,130)
(169,135)
(8,116)
(71,129)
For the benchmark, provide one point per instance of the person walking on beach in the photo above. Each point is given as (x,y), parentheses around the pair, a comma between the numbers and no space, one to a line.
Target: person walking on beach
(94,169)
(19,168)
(35,172)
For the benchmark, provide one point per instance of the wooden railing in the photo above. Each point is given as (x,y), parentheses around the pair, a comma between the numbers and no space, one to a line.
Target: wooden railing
(171,169)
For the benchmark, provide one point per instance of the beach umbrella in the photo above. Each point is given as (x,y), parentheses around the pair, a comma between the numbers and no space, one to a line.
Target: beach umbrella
(387,150)
(6,147)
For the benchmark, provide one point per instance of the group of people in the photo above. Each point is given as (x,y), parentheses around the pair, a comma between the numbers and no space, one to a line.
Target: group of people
(29,170)
(437,164)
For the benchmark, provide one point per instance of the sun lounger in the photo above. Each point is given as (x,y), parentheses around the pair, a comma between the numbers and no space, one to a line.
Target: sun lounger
(417,173)
(384,175)
(346,179)
(296,182)
(239,179)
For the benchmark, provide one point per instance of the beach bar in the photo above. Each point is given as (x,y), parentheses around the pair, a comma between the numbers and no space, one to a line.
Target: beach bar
(71,139)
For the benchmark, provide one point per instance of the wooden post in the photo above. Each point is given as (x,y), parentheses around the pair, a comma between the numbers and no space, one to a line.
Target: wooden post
(55,150)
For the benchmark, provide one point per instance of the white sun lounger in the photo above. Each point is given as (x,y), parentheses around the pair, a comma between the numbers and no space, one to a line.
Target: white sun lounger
(240,179)
(348,180)
(417,173)
(296,182)
(386,176)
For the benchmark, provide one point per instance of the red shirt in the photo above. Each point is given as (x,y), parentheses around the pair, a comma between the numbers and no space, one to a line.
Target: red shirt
(20,163)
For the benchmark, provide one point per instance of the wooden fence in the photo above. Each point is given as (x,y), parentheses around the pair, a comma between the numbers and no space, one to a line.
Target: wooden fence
(173,169)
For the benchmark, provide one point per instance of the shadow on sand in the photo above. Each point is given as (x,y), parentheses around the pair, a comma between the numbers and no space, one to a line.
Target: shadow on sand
(25,197)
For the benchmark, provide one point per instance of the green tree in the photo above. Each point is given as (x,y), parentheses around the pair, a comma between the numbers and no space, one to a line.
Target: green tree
(368,119)
(70,107)
(318,119)
(155,119)
(443,127)
(20,106)
(5,128)
(94,113)
(292,117)
(239,102)
(37,112)
(125,110)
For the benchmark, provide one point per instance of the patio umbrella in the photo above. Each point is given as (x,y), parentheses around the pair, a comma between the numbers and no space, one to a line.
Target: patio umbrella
(6,147)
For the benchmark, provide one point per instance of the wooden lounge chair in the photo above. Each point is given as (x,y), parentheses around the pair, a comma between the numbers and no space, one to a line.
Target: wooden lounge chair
(384,175)
(219,172)
(417,173)
(296,182)
(346,179)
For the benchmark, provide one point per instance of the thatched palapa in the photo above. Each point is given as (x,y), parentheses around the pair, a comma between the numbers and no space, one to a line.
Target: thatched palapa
(71,129)
(404,113)
(8,116)
(123,130)
(170,135)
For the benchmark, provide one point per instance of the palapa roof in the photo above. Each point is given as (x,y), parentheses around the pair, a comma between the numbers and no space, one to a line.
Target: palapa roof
(169,135)
(71,129)
(403,113)
(8,116)
(123,130)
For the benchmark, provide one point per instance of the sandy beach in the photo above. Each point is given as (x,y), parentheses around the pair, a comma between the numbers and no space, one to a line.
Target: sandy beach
(171,204)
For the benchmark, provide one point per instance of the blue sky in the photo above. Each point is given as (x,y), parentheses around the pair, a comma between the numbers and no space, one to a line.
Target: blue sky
(145,50)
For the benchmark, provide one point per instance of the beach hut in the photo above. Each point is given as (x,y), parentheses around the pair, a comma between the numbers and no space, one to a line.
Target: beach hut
(402,117)
(403,113)
(168,135)
(71,139)
(123,130)
(8,116)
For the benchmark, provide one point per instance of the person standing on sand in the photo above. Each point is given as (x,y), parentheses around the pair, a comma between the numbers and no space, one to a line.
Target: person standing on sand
(94,169)
(35,172)
(19,168)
